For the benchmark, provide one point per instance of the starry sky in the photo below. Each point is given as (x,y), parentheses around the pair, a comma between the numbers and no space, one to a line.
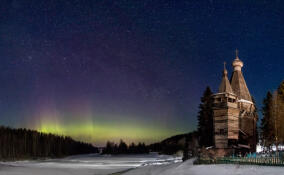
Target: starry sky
(105,70)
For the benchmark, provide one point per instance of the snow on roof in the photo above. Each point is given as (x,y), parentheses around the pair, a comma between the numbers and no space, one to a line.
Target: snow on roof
(245,101)
(224,93)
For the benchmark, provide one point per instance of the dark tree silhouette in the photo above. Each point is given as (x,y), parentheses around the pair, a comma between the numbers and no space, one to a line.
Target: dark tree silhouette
(27,144)
(205,119)
(267,122)
(256,132)
(185,155)
(280,90)
(280,112)
(122,148)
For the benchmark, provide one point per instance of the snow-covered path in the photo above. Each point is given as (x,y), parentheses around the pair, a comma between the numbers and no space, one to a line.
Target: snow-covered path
(84,164)
(187,168)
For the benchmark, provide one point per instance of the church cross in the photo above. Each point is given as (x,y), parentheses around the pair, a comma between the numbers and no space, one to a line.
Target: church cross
(237,53)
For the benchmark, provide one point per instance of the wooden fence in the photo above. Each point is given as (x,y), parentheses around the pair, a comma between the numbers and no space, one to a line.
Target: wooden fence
(268,161)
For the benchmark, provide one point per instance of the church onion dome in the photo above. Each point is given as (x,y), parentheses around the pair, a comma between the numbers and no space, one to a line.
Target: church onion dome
(237,63)
(225,86)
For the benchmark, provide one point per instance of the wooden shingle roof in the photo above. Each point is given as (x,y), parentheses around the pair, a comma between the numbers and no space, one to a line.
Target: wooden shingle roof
(238,83)
(225,84)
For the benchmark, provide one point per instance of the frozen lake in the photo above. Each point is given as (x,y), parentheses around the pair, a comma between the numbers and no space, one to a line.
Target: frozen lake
(92,164)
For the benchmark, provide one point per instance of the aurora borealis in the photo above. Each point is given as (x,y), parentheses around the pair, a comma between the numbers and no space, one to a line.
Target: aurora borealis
(132,70)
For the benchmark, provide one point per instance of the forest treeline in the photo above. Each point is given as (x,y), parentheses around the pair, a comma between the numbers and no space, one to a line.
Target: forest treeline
(272,130)
(27,144)
(123,148)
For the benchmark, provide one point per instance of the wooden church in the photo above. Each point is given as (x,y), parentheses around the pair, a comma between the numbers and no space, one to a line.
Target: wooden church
(234,115)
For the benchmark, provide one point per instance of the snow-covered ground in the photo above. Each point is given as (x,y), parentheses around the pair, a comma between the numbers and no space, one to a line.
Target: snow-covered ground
(152,164)
(187,168)
(92,164)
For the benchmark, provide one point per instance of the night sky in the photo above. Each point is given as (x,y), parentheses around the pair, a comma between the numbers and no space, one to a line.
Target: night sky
(105,70)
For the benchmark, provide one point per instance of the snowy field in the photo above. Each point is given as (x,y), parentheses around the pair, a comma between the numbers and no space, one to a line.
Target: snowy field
(187,168)
(85,164)
(152,164)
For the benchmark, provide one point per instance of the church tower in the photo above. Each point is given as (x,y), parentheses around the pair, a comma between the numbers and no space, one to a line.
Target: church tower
(238,82)
(234,114)
(247,117)
(226,113)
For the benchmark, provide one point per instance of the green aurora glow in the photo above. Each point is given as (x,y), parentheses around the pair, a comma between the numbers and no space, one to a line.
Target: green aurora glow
(98,133)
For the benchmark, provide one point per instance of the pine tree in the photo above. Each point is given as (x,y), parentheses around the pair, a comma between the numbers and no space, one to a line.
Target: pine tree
(185,149)
(280,90)
(280,112)
(267,122)
(122,147)
(205,119)
(255,127)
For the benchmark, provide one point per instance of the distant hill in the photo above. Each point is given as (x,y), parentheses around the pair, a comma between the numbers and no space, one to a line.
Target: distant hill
(177,139)
(176,143)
